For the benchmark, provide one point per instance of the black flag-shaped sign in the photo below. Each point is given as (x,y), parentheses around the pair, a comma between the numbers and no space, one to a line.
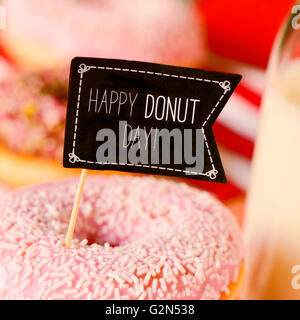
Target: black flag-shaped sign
(146,118)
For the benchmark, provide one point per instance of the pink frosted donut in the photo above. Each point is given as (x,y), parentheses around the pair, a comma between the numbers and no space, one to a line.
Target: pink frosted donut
(33,105)
(167,31)
(136,238)
(3,189)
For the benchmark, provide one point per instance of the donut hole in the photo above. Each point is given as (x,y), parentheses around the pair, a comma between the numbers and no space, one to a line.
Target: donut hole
(118,212)
(95,231)
(93,238)
(108,226)
(88,230)
(103,220)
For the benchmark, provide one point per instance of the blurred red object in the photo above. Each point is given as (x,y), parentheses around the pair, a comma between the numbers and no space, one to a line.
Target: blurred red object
(222,191)
(243,30)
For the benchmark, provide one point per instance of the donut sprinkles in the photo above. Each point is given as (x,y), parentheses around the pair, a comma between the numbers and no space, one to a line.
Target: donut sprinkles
(34,106)
(136,238)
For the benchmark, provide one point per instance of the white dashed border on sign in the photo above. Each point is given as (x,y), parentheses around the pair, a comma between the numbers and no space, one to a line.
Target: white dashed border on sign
(83,68)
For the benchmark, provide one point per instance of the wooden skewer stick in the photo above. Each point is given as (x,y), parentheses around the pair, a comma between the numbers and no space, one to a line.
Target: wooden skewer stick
(74,213)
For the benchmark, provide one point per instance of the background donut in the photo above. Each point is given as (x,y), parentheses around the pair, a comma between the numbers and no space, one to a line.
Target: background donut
(47,35)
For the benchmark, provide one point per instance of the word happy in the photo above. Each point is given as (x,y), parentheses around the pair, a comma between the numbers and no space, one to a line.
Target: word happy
(112,102)
(139,146)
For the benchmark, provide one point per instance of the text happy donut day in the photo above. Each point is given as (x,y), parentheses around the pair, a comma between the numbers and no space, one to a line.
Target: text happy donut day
(139,140)
(141,117)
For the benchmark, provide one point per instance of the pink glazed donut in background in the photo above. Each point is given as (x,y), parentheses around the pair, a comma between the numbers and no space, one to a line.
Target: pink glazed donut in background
(136,238)
(32,117)
(46,34)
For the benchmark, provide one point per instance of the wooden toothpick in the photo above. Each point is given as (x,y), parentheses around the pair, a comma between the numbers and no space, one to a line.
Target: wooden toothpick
(73,218)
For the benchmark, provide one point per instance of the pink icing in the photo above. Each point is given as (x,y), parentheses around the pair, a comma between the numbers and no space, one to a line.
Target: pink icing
(3,189)
(136,238)
(165,31)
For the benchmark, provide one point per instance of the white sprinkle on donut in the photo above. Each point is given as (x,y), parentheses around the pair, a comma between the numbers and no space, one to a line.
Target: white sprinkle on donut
(172,242)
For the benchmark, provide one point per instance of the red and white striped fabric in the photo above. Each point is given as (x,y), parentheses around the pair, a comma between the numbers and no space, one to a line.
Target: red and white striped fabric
(237,125)
(232,34)
(236,128)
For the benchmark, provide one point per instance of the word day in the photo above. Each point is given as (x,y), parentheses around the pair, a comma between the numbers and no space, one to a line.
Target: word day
(137,146)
